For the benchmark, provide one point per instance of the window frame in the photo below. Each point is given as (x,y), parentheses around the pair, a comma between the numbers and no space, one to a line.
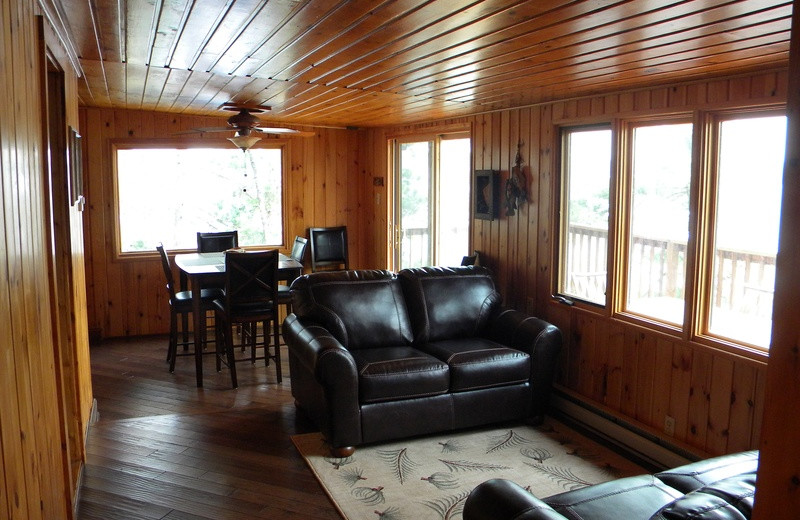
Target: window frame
(183,144)
(562,199)
(701,225)
(707,225)
(624,223)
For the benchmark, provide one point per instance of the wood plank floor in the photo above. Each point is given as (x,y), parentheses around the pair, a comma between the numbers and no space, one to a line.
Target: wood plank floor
(164,449)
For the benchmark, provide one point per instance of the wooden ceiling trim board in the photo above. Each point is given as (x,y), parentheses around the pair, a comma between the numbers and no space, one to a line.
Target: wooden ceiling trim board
(375,111)
(62,26)
(319,64)
(158,7)
(327,99)
(93,76)
(176,79)
(213,27)
(251,39)
(226,94)
(239,12)
(518,71)
(154,84)
(210,91)
(297,21)
(602,81)
(550,41)
(122,29)
(107,16)
(138,28)
(237,34)
(694,75)
(368,28)
(190,91)
(135,79)
(686,58)
(637,53)
(418,29)
(368,19)
(238,65)
(253,92)
(467,39)
(293,42)
(188,41)
(187,11)
(170,26)
(117,79)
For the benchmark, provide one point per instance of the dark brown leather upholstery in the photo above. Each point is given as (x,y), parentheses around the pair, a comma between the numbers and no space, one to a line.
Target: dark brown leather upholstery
(721,488)
(376,356)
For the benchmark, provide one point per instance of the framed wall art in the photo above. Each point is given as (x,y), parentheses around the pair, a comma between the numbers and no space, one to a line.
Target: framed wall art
(486,190)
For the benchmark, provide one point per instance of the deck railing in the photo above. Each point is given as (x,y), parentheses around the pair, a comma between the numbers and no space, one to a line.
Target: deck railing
(743,280)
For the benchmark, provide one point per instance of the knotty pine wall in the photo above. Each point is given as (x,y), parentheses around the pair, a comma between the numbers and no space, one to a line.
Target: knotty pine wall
(635,373)
(45,383)
(126,297)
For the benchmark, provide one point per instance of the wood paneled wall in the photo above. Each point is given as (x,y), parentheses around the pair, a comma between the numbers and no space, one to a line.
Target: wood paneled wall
(127,297)
(45,384)
(639,374)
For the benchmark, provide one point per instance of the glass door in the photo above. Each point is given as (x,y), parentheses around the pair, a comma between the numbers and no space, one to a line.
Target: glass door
(431,192)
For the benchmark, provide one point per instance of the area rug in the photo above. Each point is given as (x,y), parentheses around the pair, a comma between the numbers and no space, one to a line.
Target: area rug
(430,477)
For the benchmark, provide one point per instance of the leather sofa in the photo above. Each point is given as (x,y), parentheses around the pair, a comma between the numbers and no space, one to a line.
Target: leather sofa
(375,355)
(721,488)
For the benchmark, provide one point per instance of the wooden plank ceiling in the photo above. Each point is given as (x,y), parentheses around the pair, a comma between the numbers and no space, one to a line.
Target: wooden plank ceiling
(386,62)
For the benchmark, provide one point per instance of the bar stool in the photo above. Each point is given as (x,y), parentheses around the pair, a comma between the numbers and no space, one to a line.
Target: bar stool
(180,304)
(251,297)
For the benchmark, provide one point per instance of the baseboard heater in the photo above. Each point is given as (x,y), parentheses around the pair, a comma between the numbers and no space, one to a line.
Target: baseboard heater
(636,444)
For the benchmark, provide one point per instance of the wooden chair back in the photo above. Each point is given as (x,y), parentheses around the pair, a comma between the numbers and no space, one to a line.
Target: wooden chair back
(328,248)
(299,248)
(165,264)
(251,281)
(217,241)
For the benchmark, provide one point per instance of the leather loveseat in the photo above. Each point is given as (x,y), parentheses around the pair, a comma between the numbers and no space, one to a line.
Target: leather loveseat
(721,488)
(375,355)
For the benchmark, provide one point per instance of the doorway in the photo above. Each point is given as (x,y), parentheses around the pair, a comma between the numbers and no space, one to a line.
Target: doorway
(431,200)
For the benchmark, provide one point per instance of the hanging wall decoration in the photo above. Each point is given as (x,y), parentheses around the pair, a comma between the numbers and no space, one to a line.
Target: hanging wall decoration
(516,185)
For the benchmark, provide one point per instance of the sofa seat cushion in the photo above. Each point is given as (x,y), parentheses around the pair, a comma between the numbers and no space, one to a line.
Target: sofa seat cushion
(477,363)
(728,499)
(392,373)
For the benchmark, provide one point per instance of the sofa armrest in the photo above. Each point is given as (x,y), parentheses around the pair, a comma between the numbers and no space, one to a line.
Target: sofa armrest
(498,499)
(332,371)
(541,340)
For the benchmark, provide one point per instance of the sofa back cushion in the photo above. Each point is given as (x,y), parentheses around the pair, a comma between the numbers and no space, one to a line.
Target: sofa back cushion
(728,499)
(707,471)
(449,302)
(361,309)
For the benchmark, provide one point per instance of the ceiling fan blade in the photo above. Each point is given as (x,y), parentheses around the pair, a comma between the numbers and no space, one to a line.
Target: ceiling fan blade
(283,131)
(207,129)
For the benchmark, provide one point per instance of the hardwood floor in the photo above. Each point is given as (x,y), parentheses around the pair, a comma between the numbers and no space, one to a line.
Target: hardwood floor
(164,449)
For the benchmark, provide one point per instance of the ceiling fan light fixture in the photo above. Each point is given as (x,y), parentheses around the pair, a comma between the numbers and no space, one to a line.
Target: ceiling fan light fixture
(244,142)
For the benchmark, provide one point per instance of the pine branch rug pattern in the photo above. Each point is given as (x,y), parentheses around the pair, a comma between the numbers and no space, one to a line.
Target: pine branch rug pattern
(431,477)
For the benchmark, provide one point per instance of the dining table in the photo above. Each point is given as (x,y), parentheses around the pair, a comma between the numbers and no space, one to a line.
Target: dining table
(202,269)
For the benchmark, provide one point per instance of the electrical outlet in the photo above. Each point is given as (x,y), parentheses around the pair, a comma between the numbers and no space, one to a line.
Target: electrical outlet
(669,426)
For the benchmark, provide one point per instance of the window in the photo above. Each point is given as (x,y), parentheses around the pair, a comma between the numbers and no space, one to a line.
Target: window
(586,155)
(745,235)
(432,196)
(661,166)
(168,195)
(735,169)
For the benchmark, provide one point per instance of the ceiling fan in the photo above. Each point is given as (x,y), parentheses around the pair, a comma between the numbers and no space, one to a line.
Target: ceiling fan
(247,126)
